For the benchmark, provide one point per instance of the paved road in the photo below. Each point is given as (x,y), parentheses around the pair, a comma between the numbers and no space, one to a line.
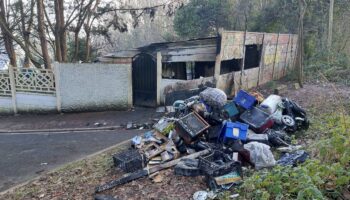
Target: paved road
(24,156)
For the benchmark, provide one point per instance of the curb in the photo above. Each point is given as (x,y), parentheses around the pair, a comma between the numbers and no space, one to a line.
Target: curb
(63,165)
(107,128)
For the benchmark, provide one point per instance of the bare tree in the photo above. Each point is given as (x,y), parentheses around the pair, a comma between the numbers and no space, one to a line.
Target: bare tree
(4,24)
(42,34)
(83,14)
(26,28)
(300,53)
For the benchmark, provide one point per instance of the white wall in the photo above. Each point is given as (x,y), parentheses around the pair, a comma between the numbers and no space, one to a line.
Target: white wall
(29,103)
(93,87)
(36,103)
(6,105)
(79,87)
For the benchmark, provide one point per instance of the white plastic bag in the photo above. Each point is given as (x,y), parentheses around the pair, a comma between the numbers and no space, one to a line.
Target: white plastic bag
(260,155)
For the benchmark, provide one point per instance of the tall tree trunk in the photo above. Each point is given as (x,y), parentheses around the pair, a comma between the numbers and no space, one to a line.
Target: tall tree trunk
(63,32)
(330,25)
(300,53)
(42,35)
(76,46)
(26,31)
(6,37)
(87,46)
(57,33)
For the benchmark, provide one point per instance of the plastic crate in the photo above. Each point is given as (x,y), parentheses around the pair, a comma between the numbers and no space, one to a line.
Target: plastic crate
(217,164)
(236,130)
(128,161)
(230,110)
(245,100)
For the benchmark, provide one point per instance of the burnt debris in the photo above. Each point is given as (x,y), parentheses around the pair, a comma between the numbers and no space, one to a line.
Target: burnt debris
(211,136)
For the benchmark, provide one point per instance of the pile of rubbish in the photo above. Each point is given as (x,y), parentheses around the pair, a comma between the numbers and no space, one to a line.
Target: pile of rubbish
(209,135)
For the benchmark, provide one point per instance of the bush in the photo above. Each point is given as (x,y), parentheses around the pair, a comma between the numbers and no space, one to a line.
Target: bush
(324,176)
(335,66)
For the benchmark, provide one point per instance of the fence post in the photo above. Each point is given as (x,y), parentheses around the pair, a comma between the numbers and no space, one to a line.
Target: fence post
(13,89)
(274,59)
(262,58)
(285,59)
(130,91)
(159,76)
(57,87)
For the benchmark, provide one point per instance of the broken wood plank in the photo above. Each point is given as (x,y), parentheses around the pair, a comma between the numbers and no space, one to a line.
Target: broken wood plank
(144,172)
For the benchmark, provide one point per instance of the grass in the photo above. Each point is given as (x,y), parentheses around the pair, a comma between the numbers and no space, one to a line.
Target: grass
(325,176)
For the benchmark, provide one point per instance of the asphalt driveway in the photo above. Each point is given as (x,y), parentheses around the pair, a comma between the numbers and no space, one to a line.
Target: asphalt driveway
(24,156)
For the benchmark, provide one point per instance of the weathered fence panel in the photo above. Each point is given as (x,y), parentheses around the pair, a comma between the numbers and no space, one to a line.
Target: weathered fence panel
(34,80)
(5,86)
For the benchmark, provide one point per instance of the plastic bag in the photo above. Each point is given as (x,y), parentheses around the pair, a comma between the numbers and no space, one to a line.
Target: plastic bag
(214,97)
(293,159)
(260,155)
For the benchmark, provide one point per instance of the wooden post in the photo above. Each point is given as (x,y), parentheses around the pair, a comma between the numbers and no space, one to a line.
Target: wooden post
(285,59)
(130,94)
(243,60)
(159,76)
(217,67)
(13,89)
(262,56)
(274,59)
(57,87)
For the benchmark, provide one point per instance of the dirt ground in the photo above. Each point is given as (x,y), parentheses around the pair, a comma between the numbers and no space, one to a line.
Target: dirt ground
(78,180)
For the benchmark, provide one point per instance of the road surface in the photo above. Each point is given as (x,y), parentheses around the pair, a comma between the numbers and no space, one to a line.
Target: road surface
(25,156)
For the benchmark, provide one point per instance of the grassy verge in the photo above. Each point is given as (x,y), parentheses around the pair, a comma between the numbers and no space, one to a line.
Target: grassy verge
(325,176)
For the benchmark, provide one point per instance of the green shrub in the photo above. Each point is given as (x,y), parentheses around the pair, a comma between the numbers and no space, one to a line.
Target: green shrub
(335,66)
(324,176)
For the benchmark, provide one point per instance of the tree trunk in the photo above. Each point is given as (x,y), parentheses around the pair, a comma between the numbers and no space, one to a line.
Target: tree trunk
(63,33)
(57,33)
(300,55)
(42,35)
(76,46)
(87,46)
(26,32)
(6,37)
(330,25)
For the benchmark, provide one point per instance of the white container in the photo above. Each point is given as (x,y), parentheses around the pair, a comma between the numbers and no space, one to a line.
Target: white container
(270,104)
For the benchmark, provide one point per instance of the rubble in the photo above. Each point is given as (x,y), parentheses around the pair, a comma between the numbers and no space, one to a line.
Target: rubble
(211,136)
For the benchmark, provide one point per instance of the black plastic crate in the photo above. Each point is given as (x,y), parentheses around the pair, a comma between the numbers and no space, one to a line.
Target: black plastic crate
(218,164)
(129,160)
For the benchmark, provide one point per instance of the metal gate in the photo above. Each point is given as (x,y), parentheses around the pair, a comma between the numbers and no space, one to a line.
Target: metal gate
(144,80)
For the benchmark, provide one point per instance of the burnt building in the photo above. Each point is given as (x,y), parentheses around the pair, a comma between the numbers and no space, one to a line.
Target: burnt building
(164,72)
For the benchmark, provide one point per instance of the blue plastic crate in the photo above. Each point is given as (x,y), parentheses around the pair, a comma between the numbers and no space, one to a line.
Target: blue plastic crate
(230,110)
(234,130)
(245,100)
